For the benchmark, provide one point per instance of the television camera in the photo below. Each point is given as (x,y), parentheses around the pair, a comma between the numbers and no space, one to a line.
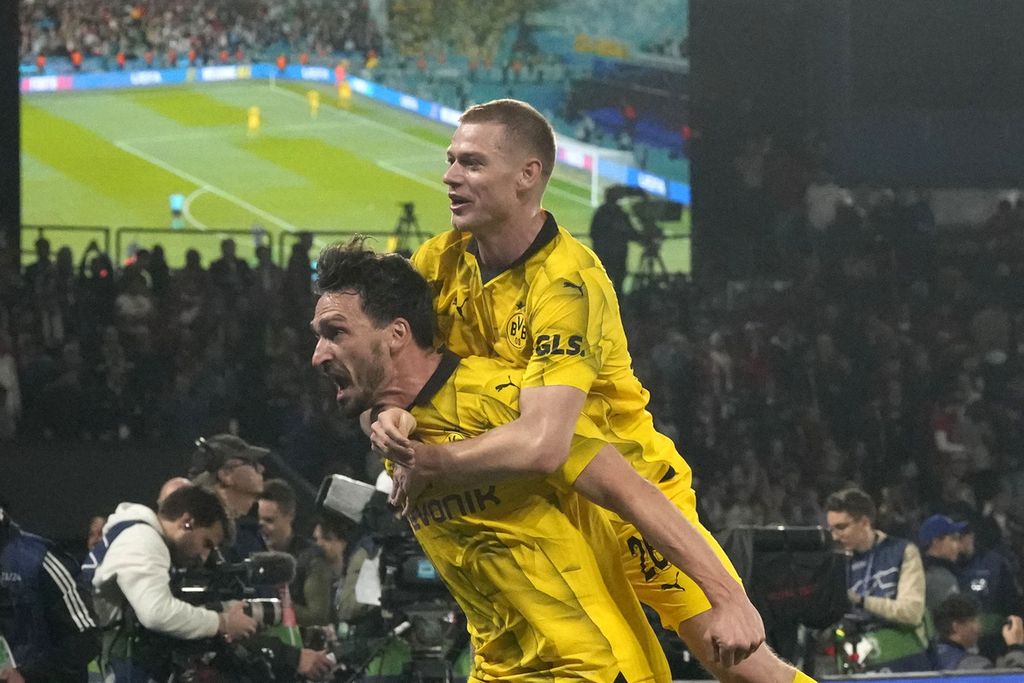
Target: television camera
(212,586)
(246,581)
(647,212)
(414,603)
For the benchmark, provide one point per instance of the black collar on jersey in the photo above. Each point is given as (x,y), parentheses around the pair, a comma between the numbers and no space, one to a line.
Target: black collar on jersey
(449,361)
(548,232)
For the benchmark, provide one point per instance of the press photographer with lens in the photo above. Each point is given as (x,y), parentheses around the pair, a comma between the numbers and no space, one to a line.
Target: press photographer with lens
(130,575)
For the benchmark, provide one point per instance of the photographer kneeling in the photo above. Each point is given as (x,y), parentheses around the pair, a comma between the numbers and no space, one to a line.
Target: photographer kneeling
(130,574)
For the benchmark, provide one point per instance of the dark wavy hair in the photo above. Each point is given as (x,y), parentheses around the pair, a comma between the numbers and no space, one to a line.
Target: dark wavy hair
(388,286)
(203,504)
(281,492)
(954,608)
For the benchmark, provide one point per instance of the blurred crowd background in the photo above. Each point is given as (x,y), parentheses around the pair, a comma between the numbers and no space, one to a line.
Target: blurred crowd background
(839,333)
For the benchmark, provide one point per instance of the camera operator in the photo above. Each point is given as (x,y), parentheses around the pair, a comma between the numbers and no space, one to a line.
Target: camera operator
(43,618)
(958,622)
(277,507)
(131,579)
(234,470)
(611,231)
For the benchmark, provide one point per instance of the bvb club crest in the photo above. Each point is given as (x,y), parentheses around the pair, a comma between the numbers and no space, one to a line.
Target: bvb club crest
(515,331)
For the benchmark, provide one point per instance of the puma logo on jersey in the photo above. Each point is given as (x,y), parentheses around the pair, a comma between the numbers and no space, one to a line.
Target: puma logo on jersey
(506,385)
(458,307)
(667,586)
(573,285)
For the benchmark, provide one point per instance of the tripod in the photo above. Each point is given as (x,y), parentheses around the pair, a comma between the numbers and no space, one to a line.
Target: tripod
(428,662)
(651,270)
(407,230)
(429,668)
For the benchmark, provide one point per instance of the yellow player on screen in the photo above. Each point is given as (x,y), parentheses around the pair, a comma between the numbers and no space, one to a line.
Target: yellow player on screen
(344,89)
(253,124)
(313,97)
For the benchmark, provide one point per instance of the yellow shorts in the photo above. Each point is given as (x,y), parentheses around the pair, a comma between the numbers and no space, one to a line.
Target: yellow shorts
(658,583)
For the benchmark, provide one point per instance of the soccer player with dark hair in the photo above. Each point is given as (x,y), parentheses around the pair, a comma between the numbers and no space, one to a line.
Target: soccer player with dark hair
(533,567)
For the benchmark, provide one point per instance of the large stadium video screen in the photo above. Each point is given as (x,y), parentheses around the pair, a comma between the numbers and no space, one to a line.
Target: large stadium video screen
(144,124)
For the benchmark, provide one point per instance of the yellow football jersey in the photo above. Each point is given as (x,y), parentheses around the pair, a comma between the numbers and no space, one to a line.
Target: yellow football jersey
(554,313)
(534,567)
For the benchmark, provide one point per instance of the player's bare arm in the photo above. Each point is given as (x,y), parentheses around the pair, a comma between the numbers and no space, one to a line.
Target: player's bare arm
(537,442)
(735,630)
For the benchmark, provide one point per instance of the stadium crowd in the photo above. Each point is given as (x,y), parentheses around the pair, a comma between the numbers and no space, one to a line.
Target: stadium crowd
(884,362)
(138,351)
(845,340)
(165,33)
(892,368)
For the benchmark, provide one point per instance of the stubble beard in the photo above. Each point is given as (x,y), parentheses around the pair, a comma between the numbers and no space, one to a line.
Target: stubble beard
(373,378)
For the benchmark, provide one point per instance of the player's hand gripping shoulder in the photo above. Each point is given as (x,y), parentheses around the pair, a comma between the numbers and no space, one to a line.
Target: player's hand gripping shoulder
(389,435)
(406,489)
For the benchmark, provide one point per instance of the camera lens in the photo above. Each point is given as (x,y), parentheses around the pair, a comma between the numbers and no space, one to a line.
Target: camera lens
(266,611)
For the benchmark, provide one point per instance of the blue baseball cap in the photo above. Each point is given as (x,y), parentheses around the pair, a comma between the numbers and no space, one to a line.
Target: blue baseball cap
(938,526)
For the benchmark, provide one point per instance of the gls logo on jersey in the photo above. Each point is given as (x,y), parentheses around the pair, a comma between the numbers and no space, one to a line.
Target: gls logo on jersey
(554,345)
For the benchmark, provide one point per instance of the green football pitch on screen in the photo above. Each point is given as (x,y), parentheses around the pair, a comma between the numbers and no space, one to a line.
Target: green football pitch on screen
(113,159)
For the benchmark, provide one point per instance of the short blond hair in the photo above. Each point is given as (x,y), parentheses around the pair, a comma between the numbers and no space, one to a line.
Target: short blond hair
(524,125)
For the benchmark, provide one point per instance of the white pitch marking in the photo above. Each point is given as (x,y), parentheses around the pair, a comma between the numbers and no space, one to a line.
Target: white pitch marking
(186,209)
(213,189)
(407,174)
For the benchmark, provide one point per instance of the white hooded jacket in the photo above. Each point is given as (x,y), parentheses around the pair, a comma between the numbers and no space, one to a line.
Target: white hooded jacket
(136,569)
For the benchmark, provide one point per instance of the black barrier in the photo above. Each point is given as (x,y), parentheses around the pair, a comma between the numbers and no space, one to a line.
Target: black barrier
(320,238)
(989,676)
(77,237)
(792,575)
(207,242)
(646,271)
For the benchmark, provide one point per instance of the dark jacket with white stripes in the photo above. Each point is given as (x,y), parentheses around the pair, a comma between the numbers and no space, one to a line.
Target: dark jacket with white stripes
(43,617)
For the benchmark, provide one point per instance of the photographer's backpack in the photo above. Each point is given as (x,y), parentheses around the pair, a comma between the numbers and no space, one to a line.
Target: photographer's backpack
(126,638)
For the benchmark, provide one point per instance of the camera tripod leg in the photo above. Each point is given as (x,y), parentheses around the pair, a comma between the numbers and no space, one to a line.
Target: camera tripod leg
(359,672)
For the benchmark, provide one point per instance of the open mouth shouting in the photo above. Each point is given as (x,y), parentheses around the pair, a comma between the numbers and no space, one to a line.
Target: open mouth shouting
(457,202)
(342,382)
